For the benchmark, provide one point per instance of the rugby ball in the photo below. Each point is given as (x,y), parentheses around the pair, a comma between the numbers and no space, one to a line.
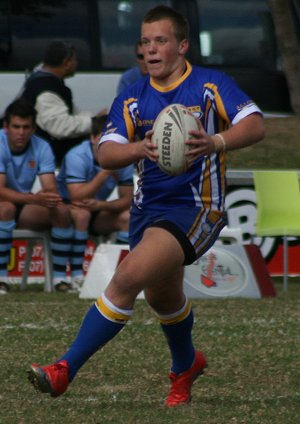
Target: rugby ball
(171,129)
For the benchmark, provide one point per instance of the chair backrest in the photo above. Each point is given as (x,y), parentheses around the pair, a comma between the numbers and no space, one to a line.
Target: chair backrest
(278,203)
(31,236)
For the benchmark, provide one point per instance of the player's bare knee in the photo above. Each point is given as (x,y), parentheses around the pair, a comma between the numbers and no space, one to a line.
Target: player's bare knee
(81,217)
(61,216)
(126,283)
(7,211)
(123,221)
(164,301)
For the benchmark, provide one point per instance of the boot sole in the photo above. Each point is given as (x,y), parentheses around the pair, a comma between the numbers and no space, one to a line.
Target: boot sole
(39,379)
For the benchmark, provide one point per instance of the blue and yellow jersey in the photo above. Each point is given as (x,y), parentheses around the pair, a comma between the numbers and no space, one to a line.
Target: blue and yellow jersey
(215,99)
(79,166)
(21,169)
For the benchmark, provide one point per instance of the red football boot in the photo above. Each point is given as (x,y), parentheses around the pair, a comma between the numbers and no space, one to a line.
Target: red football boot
(52,379)
(182,384)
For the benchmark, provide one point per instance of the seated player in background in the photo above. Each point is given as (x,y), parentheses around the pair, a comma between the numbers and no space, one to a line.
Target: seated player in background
(87,187)
(23,157)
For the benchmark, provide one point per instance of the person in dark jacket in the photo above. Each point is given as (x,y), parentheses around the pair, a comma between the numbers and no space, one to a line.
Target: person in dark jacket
(58,120)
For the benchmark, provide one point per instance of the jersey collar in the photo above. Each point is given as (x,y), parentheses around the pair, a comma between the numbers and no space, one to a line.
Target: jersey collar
(176,83)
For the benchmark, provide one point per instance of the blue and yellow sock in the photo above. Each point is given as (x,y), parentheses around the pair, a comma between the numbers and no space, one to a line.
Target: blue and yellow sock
(102,322)
(177,328)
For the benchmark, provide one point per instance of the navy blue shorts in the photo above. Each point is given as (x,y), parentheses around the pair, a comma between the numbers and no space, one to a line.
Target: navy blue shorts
(195,229)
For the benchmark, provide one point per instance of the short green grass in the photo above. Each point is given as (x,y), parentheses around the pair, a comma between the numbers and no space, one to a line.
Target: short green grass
(252,346)
(280,149)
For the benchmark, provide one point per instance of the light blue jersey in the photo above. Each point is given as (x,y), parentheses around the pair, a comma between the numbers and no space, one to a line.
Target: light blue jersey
(212,97)
(79,166)
(21,169)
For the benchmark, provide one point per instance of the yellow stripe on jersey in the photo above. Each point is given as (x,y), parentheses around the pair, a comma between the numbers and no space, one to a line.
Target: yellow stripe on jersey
(177,316)
(128,119)
(222,161)
(112,315)
(218,101)
(207,188)
(206,192)
(223,126)
(176,83)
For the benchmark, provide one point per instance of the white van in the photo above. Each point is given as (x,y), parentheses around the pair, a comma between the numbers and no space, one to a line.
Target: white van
(234,36)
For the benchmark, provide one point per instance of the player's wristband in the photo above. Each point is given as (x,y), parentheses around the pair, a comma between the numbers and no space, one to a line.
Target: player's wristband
(219,142)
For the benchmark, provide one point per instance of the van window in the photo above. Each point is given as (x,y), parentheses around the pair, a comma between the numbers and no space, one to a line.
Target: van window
(27,27)
(104,32)
(119,23)
(237,33)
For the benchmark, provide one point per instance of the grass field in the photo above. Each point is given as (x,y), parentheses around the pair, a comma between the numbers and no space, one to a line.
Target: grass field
(279,150)
(252,348)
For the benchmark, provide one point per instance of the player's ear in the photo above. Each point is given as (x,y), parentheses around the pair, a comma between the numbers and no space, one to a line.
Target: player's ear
(184,46)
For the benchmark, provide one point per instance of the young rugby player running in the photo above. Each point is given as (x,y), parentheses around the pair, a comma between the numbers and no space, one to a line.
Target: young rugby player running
(174,220)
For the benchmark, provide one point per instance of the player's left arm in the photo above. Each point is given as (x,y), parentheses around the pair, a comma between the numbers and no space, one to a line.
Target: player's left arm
(88,189)
(122,203)
(48,195)
(247,131)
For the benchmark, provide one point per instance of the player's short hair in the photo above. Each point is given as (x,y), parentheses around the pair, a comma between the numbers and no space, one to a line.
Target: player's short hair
(98,123)
(180,23)
(57,51)
(21,108)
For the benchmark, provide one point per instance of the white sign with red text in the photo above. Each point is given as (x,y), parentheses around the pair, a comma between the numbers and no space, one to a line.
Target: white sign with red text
(224,271)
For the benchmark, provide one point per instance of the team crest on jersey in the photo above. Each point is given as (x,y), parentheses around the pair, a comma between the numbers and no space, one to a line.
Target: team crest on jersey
(31,164)
(196,111)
